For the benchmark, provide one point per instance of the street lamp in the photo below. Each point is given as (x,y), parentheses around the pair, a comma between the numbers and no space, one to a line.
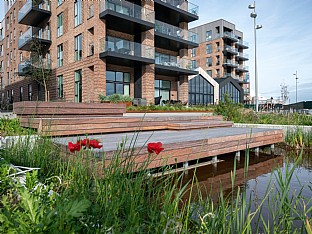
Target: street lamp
(296,86)
(256,26)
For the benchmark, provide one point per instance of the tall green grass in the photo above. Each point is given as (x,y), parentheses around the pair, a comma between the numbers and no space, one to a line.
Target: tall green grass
(94,199)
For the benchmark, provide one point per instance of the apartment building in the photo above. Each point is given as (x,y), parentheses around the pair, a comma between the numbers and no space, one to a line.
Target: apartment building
(137,48)
(221,53)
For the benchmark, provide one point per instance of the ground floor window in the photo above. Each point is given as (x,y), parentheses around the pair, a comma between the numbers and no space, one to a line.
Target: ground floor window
(201,92)
(117,83)
(60,86)
(29,92)
(78,86)
(21,94)
(162,89)
(231,91)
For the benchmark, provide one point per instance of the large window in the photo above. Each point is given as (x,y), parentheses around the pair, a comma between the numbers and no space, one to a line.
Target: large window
(78,47)
(117,82)
(60,55)
(208,35)
(230,90)
(78,12)
(209,62)
(29,92)
(208,48)
(60,86)
(78,86)
(60,25)
(162,88)
(193,52)
(59,2)
(200,91)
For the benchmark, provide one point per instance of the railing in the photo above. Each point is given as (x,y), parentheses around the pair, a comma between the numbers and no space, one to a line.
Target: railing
(243,55)
(34,33)
(231,49)
(229,62)
(43,5)
(122,46)
(230,35)
(173,61)
(244,43)
(174,31)
(28,65)
(129,9)
(183,5)
(226,74)
(242,67)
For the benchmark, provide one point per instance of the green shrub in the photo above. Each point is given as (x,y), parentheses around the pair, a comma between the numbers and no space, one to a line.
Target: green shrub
(115,98)
(11,127)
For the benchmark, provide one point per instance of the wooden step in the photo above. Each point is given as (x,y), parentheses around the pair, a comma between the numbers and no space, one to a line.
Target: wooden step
(199,125)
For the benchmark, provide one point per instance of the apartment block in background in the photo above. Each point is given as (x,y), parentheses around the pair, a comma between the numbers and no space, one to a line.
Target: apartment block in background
(221,53)
(137,48)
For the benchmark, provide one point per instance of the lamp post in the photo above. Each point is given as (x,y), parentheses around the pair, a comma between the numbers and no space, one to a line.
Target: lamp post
(256,26)
(296,86)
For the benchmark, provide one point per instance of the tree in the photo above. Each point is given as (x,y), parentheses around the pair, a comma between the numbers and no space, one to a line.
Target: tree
(284,93)
(39,66)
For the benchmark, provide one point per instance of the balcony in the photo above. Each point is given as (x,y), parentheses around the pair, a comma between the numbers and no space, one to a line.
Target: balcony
(1,37)
(242,56)
(34,12)
(229,63)
(126,17)
(173,38)
(127,53)
(33,35)
(175,11)
(242,44)
(231,50)
(230,36)
(227,74)
(173,66)
(242,68)
(27,67)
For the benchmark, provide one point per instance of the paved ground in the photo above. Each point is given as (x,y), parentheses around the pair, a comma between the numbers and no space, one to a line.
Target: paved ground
(110,141)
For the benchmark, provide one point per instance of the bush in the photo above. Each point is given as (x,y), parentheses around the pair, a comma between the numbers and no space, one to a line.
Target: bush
(115,98)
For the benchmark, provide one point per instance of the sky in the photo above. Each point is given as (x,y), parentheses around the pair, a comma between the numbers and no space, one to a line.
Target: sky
(284,44)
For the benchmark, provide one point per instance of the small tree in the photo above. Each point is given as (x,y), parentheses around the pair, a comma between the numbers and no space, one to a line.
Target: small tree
(39,67)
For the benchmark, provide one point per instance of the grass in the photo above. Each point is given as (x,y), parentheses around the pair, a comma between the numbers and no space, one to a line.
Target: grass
(76,196)
(299,137)
(12,127)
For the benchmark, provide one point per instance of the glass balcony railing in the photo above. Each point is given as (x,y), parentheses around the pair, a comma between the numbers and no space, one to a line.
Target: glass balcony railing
(231,49)
(34,33)
(173,61)
(42,5)
(229,62)
(122,46)
(243,43)
(243,67)
(230,35)
(28,65)
(174,31)
(243,55)
(183,5)
(129,9)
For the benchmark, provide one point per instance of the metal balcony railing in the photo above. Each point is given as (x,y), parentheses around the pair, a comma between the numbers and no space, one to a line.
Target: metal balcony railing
(243,43)
(174,31)
(121,46)
(34,33)
(243,55)
(230,35)
(183,5)
(229,62)
(173,61)
(43,5)
(231,49)
(129,9)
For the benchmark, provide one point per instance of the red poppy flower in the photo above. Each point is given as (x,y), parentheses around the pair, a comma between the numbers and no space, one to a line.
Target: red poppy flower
(85,142)
(154,147)
(95,144)
(74,147)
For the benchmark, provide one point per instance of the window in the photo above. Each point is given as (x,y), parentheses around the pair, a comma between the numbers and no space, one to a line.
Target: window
(14,74)
(78,47)
(14,33)
(21,56)
(78,12)
(193,64)
(91,49)
(201,92)
(91,10)
(60,25)
(29,92)
(60,55)
(78,86)
(11,18)
(218,72)
(1,50)
(230,90)
(14,14)
(60,86)
(209,35)
(21,94)
(8,41)
(117,82)
(12,96)
(162,89)
(59,2)
(193,52)
(209,62)
(209,72)
(14,54)
(208,48)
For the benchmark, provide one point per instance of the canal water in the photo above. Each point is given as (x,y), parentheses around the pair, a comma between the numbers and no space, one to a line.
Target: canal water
(261,175)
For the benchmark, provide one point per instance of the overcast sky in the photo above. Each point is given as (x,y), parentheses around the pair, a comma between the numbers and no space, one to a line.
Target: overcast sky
(284,44)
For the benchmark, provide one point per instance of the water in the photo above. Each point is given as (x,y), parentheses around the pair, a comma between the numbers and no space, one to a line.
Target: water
(261,176)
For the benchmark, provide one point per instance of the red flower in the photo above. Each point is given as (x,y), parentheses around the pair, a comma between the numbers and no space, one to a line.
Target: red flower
(74,147)
(95,144)
(154,147)
(85,142)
